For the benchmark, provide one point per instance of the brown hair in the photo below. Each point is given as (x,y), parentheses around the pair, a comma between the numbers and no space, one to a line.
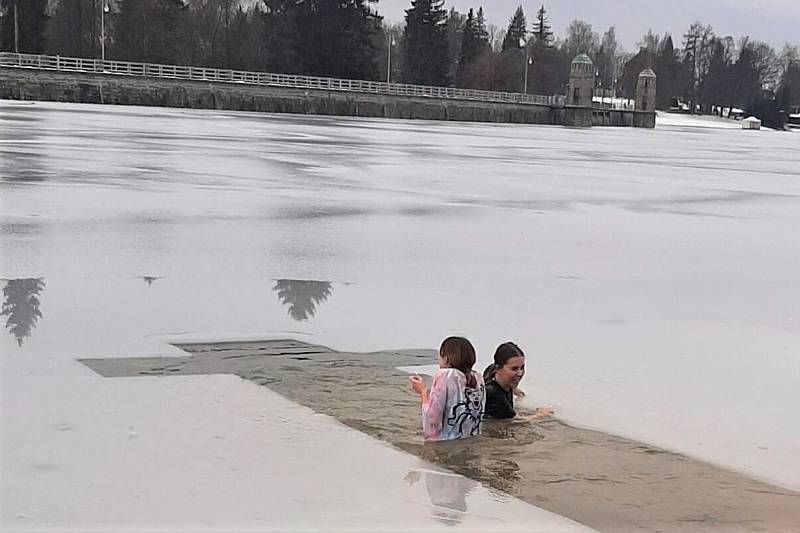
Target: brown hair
(504,352)
(460,354)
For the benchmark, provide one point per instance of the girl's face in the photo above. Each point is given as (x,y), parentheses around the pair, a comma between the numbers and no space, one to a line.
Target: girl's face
(511,373)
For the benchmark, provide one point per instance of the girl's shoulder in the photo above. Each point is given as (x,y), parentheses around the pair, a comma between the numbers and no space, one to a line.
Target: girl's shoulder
(446,373)
(455,375)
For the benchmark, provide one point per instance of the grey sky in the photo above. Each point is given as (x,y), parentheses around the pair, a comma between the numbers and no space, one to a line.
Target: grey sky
(773,21)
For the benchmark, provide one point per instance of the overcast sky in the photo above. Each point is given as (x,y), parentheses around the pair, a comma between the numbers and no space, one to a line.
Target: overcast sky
(773,21)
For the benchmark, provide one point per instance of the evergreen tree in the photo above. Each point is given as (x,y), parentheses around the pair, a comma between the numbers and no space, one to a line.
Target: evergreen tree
(478,65)
(541,28)
(280,37)
(330,38)
(716,89)
(550,72)
(74,29)
(454,28)
(21,306)
(336,38)
(667,68)
(517,31)
(483,33)
(425,44)
(152,31)
(768,110)
(240,41)
(223,34)
(470,41)
(31,21)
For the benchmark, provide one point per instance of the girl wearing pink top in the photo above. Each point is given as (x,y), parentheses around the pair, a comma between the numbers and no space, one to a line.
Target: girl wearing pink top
(453,409)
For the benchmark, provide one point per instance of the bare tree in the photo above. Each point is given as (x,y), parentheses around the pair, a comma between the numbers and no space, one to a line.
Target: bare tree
(581,39)
(605,60)
(650,42)
(789,55)
(496,37)
(766,64)
(391,42)
(698,50)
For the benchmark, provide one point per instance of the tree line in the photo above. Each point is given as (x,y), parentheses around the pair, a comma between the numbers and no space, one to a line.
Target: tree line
(433,46)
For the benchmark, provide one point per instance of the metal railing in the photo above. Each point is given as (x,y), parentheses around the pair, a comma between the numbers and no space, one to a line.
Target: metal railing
(176,72)
(618,105)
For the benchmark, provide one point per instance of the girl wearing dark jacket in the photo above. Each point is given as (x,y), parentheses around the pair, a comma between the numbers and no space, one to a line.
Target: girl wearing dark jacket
(502,379)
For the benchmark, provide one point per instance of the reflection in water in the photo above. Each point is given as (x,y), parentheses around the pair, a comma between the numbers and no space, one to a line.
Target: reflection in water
(447,491)
(489,458)
(302,296)
(21,306)
(604,481)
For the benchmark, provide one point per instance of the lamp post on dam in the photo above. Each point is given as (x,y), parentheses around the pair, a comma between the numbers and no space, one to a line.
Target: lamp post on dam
(104,9)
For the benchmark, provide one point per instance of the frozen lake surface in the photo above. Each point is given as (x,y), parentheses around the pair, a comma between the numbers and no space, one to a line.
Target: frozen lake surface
(651,276)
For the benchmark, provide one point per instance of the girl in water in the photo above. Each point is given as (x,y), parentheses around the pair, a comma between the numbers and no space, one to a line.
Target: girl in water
(502,382)
(453,409)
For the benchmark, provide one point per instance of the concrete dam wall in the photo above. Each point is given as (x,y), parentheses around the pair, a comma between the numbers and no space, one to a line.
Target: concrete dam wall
(98,88)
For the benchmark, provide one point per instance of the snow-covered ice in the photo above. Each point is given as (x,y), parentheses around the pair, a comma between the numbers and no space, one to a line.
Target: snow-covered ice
(651,276)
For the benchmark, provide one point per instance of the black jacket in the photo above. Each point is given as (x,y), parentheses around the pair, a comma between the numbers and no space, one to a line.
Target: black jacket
(499,402)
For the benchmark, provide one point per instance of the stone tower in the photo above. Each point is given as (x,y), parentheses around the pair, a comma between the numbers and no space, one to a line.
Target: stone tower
(644,115)
(578,111)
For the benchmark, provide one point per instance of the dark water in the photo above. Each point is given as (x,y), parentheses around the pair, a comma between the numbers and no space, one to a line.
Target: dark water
(607,482)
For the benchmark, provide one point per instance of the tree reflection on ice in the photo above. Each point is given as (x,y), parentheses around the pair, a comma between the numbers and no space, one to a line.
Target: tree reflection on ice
(21,306)
(302,296)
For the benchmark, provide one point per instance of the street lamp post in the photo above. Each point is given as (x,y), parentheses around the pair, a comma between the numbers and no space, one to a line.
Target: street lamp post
(524,44)
(529,64)
(104,8)
(596,81)
(602,94)
(391,42)
(16,29)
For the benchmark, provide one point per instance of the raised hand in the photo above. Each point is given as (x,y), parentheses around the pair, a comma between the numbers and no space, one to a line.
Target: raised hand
(418,384)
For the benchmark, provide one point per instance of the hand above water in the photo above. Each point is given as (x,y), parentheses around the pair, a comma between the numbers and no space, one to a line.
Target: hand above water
(543,412)
(418,384)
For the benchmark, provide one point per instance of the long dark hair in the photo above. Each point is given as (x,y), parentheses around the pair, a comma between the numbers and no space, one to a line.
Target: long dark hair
(504,352)
(460,355)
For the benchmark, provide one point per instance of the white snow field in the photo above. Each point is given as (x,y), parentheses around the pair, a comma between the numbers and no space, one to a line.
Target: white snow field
(650,276)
